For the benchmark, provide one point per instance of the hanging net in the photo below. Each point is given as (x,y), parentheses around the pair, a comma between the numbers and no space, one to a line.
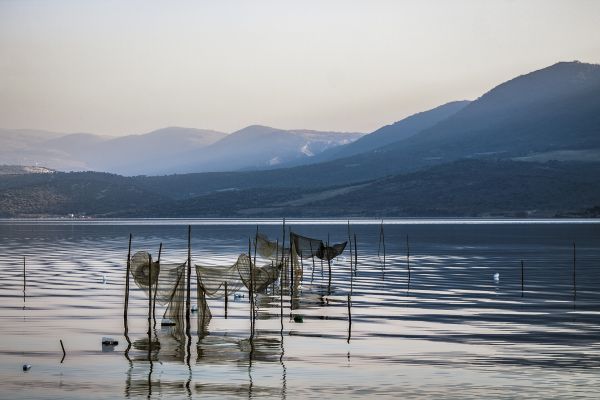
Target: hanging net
(330,252)
(217,282)
(267,248)
(304,247)
(168,284)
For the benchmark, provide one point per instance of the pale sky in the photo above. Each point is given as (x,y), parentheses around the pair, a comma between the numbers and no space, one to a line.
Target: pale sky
(121,67)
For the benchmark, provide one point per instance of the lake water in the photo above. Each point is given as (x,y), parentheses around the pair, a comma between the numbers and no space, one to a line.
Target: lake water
(454,332)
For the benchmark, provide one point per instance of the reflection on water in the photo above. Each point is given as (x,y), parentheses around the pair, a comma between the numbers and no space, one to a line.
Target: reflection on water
(464,326)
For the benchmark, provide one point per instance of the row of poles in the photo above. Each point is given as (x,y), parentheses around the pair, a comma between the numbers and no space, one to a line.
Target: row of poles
(252,261)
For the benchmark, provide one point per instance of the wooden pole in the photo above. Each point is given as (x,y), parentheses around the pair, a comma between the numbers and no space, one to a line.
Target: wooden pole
(252,276)
(349,317)
(350,243)
(149,297)
(189,280)
(63,350)
(280,288)
(291,262)
(522,279)
(283,268)
(251,290)
(226,299)
(156,287)
(127,287)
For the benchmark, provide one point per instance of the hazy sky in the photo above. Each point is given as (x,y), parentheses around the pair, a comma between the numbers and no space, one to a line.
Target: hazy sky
(121,67)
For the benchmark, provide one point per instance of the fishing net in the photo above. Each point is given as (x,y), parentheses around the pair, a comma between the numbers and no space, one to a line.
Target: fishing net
(305,247)
(267,248)
(217,282)
(330,252)
(168,284)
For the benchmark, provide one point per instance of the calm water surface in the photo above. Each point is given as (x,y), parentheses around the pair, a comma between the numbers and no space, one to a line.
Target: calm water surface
(453,332)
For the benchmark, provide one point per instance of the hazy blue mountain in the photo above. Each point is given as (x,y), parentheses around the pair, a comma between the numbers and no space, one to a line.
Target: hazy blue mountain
(510,121)
(395,132)
(148,153)
(168,150)
(261,147)
(29,147)
(556,108)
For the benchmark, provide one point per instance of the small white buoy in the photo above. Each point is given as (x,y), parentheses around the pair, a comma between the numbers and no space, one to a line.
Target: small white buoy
(26,367)
(496,277)
(194,308)
(108,341)
(104,279)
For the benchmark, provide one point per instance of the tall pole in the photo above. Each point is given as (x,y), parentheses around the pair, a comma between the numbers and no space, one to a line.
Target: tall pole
(156,286)
(283,268)
(127,287)
(189,280)
(149,298)
(251,290)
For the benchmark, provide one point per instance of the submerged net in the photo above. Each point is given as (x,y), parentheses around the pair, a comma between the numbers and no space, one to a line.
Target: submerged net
(168,284)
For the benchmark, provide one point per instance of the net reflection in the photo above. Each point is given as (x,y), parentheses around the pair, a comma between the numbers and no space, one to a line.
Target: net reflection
(156,366)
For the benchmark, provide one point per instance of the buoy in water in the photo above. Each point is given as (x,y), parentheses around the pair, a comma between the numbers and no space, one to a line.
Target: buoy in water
(496,277)
(194,308)
(108,341)
(26,367)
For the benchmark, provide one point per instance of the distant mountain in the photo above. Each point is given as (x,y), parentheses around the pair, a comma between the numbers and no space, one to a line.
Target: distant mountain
(556,108)
(26,147)
(395,132)
(537,114)
(148,153)
(261,147)
(168,150)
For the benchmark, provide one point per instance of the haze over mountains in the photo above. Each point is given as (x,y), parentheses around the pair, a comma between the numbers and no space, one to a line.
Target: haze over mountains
(167,150)
(529,146)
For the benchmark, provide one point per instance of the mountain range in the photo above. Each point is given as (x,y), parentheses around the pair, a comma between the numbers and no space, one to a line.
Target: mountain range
(167,150)
(529,146)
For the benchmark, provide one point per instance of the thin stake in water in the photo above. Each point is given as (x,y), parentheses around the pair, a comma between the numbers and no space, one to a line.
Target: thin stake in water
(226,299)
(189,281)
(251,290)
(156,287)
(63,350)
(149,300)
(127,288)
(381,243)
(349,317)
